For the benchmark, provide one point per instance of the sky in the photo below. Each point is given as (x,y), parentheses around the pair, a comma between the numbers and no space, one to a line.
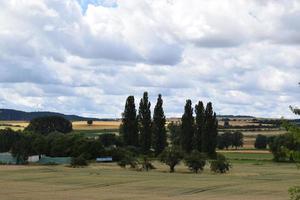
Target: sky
(86,56)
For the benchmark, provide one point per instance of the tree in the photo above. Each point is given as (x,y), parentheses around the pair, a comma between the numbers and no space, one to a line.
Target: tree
(144,118)
(48,124)
(220,164)
(226,123)
(7,138)
(89,122)
(199,129)
(171,156)
(108,139)
(129,126)
(159,129)
(187,126)
(175,133)
(210,131)
(79,161)
(195,161)
(21,150)
(237,139)
(261,142)
(225,140)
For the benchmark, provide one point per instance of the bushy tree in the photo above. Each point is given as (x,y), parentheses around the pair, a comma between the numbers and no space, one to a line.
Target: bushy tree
(220,164)
(89,122)
(195,161)
(48,124)
(7,138)
(144,118)
(129,126)
(21,149)
(187,126)
(171,156)
(261,142)
(225,140)
(237,139)
(109,139)
(159,129)
(128,158)
(79,161)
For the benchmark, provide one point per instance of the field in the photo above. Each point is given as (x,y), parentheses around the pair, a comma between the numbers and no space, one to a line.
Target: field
(77,125)
(247,180)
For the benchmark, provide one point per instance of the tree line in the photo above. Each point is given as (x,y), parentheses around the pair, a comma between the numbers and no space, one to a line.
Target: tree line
(147,133)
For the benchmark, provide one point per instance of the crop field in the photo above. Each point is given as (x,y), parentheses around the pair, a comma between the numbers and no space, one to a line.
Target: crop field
(246,180)
(77,125)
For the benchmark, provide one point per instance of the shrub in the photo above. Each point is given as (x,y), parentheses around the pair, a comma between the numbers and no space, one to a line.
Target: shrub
(89,122)
(294,193)
(79,161)
(195,161)
(220,164)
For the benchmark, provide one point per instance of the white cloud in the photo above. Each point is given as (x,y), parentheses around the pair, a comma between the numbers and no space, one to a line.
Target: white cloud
(85,57)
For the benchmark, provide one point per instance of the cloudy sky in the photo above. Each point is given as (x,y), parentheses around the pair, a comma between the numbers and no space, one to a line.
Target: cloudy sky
(86,56)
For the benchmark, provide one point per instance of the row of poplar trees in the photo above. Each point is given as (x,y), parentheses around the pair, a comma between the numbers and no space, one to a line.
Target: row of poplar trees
(199,132)
(139,130)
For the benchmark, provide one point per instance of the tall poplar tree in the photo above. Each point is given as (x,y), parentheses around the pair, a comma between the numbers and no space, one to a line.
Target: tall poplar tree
(145,124)
(159,129)
(199,128)
(210,130)
(129,126)
(187,126)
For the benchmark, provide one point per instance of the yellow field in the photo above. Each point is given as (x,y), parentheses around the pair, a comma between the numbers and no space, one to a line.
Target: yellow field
(246,181)
(97,125)
(77,125)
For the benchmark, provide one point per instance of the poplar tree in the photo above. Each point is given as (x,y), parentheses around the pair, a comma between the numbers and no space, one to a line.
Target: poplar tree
(187,127)
(129,126)
(199,128)
(144,118)
(159,129)
(210,130)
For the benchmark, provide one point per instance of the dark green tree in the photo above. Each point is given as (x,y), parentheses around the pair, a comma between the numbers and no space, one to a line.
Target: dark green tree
(187,126)
(199,129)
(261,142)
(159,129)
(171,156)
(210,131)
(220,164)
(237,139)
(48,124)
(21,149)
(225,140)
(195,161)
(144,118)
(175,133)
(129,126)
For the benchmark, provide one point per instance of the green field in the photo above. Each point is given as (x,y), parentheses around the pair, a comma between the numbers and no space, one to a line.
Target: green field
(246,181)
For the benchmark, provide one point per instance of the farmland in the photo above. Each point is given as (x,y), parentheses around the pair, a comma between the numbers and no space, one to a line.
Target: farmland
(247,180)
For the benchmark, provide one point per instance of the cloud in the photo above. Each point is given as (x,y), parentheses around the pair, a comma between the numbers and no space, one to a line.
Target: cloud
(86,56)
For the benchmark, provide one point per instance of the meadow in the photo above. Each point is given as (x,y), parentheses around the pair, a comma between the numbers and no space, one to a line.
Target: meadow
(249,180)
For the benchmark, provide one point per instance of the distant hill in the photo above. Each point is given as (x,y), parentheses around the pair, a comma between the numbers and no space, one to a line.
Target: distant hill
(16,115)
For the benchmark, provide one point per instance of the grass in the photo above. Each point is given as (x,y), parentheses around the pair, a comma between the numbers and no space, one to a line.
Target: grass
(248,156)
(247,181)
